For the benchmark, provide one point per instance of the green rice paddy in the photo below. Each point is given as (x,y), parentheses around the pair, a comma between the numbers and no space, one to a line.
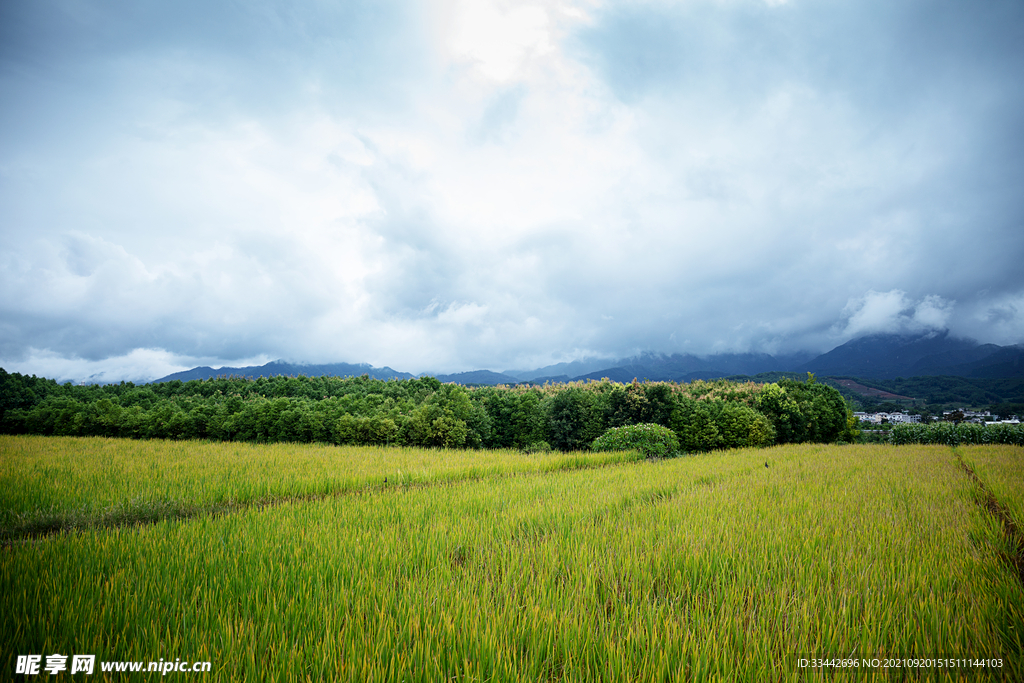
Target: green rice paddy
(499,566)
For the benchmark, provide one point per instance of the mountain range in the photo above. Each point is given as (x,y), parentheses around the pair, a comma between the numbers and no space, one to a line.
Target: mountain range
(891,356)
(280,367)
(880,356)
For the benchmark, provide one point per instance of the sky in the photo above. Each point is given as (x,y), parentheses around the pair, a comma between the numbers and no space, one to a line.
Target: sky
(450,185)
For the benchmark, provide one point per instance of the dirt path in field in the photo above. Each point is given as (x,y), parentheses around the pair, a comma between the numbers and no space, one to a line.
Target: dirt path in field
(987,500)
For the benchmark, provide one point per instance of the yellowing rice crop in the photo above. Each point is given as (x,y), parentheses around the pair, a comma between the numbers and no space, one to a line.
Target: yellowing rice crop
(1001,468)
(49,483)
(727,566)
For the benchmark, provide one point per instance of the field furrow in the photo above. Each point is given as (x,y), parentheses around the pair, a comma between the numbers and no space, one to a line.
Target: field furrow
(1001,469)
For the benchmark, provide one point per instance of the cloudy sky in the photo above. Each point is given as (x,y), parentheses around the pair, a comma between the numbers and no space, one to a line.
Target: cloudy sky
(447,185)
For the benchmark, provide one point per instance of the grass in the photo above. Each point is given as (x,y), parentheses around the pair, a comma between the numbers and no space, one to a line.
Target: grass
(726,566)
(54,483)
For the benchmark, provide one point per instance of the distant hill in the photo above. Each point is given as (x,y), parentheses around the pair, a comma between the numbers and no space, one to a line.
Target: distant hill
(948,390)
(1004,363)
(886,356)
(277,368)
(478,377)
(687,367)
(567,370)
(876,357)
(556,379)
(870,392)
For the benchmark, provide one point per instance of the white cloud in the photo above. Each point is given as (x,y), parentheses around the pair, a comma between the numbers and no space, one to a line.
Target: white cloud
(893,312)
(497,38)
(139,366)
(457,184)
(1001,315)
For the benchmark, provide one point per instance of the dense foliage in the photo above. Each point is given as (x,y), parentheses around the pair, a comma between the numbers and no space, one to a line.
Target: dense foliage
(950,434)
(424,412)
(654,441)
(1003,396)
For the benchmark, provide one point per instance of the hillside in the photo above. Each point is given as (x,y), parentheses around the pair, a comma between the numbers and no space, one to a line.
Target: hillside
(891,356)
(280,368)
(872,357)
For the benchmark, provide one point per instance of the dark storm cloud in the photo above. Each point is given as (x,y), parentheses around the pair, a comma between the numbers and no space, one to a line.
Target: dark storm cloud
(889,56)
(927,85)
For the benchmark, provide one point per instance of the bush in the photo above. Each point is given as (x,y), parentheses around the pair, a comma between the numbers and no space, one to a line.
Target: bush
(538,447)
(654,441)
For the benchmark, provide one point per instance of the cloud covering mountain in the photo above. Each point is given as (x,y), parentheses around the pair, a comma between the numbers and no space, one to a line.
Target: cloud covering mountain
(452,185)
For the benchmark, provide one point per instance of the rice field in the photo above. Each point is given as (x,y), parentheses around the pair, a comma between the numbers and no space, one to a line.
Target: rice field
(726,566)
(50,483)
(1001,468)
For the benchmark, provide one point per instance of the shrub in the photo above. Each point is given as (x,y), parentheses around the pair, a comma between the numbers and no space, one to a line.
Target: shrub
(654,441)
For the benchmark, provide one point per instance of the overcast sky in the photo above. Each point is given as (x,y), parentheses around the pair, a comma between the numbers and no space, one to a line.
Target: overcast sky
(451,185)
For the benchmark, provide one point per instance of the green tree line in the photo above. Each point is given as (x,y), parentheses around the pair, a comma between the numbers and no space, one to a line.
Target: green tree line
(424,412)
(949,434)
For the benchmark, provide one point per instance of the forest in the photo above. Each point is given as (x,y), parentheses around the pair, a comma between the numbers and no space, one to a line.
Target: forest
(424,412)
(1003,396)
